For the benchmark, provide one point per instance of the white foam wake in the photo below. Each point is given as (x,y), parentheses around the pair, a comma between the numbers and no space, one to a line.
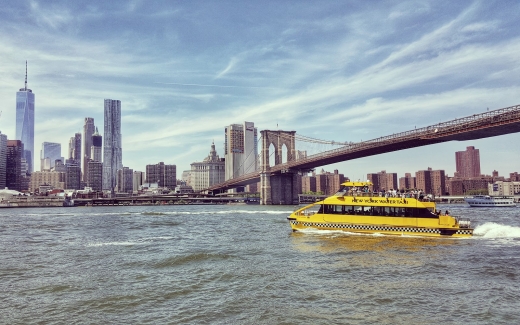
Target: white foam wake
(495,230)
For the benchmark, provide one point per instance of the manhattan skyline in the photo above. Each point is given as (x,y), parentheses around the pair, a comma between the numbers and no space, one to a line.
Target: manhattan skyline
(342,71)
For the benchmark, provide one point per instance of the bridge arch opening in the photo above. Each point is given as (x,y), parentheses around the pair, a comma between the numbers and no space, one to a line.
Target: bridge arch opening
(272,155)
(284,155)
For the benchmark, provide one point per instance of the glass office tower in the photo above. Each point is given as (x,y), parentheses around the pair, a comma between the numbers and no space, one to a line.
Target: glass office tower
(25,122)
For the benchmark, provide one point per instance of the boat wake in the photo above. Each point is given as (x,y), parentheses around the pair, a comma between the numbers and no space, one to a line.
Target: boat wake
(495,230)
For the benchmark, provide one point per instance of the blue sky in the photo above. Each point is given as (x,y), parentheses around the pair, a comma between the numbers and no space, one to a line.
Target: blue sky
(332,70)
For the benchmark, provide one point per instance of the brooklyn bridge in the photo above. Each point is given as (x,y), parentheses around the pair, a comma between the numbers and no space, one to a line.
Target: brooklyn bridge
(278,184)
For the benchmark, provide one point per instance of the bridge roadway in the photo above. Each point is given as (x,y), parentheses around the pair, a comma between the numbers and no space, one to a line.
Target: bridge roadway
(484,125)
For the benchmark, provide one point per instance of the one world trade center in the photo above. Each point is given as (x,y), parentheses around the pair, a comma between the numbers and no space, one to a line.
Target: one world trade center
(25,122)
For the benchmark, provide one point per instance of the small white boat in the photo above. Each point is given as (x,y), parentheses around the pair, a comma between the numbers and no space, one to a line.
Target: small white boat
(490,201)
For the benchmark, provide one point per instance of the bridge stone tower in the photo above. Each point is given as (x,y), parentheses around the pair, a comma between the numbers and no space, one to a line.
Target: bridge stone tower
(281,187)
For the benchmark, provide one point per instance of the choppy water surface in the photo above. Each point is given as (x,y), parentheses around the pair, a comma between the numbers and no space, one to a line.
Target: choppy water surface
(243,265)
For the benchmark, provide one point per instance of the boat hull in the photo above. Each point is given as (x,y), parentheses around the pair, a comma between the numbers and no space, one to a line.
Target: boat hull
(297,225)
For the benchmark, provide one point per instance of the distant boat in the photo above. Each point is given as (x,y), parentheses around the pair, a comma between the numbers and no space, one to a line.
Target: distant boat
(490,201)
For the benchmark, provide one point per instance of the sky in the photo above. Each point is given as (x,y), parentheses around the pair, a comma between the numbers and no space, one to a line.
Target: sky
(330,70)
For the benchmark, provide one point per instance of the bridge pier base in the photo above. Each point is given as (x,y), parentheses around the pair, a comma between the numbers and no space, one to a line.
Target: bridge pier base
(279,189)
(265,189)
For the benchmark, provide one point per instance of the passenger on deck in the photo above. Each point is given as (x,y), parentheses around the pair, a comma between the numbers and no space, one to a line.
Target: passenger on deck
(447,213)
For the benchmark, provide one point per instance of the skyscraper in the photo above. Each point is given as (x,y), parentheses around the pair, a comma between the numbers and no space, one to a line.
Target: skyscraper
(95,175)
(125,180)
(241,149)
(88,131)
(50,152)
(468,162)
(75,150)
(163,175)
(14,173)
(25,122)
(3,159)
(97,144)
(112,151)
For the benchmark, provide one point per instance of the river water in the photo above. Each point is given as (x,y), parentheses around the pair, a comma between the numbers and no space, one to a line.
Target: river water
(243,265)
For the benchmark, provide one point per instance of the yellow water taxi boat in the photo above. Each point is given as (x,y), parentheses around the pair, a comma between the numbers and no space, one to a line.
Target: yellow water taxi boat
(355,209)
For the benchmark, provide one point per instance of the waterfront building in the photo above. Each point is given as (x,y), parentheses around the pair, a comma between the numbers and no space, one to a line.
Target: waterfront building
(137,180)
(373,178)
(14,156)
(125,180)
(25,122)
(3,159)
(186,177)
(88,131)
(97,144)
(329,183)
(382,181)
(514,177)
(163,175)
(73,177)
(407,182)
(45,164)
(431,181)
(51,151)
(75,149)
(240,149)
(95,175)
(53,179)
(503,188)
(424,181)
(468,162)
(112,150)
(438,182)
(309,184)
(183,189)
(463,186)
(59,166)
(209,172)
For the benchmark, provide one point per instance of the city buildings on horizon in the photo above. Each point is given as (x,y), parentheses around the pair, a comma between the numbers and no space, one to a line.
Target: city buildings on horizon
(240,157)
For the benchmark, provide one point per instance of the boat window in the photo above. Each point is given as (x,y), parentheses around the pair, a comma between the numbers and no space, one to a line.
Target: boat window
(426,213)
(321,209)
(337,209)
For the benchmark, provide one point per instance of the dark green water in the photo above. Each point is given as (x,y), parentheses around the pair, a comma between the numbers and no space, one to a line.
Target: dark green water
(243,265)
